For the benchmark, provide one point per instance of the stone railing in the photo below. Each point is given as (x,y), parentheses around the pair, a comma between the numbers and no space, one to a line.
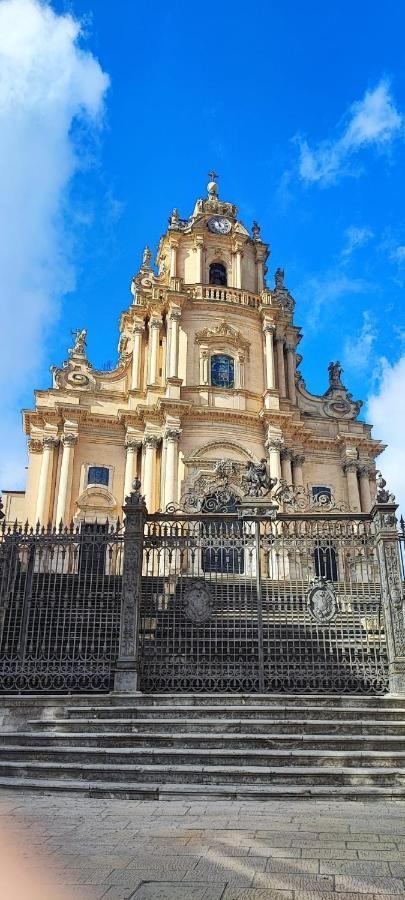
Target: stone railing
(217,294)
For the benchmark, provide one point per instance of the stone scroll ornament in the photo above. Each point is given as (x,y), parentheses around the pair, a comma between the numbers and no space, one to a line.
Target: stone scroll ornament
(322,601)
(197,602)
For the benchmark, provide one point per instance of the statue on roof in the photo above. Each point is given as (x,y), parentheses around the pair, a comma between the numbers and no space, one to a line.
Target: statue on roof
(80,341)
(335,370)
(147,256)
(279,280)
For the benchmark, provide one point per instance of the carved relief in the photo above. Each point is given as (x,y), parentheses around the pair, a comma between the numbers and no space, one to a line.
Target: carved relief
(197,602)
(322,601)
(223,333)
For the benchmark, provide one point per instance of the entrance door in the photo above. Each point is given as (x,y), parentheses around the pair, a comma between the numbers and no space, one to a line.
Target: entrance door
(92,549)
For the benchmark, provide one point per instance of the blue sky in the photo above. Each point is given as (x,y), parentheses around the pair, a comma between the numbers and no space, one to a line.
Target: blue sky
(299,107)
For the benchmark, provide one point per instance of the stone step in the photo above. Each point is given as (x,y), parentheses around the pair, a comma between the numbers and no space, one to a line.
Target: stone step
(281,711)
(240,699)
(259,726)
(244,741)
(210,774)
(204,792)
(214,756)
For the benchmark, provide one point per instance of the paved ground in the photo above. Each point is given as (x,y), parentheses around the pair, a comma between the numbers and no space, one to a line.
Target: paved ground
(116,849)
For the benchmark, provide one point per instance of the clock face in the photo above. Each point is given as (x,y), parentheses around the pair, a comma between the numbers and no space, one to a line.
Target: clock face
(219,225)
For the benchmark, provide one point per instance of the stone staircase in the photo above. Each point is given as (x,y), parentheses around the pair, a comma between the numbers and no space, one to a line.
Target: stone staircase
(167,746)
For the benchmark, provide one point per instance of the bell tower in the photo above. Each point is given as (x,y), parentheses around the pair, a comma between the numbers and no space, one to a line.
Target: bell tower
(213,247)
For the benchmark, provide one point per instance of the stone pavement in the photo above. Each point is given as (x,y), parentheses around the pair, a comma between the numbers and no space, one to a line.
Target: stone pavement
(175,850)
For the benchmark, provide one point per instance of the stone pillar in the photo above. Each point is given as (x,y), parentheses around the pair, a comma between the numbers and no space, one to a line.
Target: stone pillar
(136,357)
(126,674)
(298,476)
(280,341)
(154,331)
(45,478)
(291,371)
(199,260)
(238,268)
(65,480)
(350,468)
(365,490)
(268,331)
(387,542)
(174,319)
(286,460)
(204,366)
(150,443)
(131,446)
(274,445)
(173,259)
(172,436)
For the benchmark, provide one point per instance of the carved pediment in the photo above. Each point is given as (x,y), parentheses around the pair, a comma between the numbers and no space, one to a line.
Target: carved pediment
(336,402)
(223,333)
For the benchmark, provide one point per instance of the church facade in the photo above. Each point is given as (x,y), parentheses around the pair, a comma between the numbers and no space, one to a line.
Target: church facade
(208,372)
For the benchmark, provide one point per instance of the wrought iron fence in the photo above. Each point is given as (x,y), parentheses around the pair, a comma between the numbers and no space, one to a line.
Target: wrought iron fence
(60,599)
(231,604)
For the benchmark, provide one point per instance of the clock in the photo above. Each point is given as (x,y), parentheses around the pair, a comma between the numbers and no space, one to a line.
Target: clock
(219,225)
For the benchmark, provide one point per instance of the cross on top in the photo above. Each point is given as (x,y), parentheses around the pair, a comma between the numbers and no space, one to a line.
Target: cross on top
(212,176)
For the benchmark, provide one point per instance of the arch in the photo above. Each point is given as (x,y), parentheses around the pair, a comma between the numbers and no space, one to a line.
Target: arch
(218,274)
(200,452)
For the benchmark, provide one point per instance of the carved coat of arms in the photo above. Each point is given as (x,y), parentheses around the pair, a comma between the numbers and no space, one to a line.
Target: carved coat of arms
(322,601)
(197,602)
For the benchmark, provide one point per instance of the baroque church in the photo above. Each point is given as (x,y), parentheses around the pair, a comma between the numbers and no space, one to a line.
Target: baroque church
(208,373)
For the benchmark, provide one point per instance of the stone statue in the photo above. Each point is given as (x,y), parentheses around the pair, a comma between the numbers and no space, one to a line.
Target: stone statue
(335,370)
(257,480)
(279,279)
(256,231)
(80,340)
(383,496)
(147,256)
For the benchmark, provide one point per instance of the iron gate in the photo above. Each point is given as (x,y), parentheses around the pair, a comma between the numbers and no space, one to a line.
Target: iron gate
(60,606)
(290,605)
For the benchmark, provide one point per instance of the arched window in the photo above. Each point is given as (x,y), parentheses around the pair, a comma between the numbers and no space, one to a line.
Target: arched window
(218,274)
(222,371)
(325,561)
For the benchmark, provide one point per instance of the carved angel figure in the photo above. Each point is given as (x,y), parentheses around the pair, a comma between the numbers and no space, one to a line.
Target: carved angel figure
(335,370)
(80,340)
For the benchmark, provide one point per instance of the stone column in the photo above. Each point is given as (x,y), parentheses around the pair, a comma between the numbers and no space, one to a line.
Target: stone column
(286,460)
(131,446)
(154,331)
(280,341)
(204,366)
(136,357)
(199,260)
(173,259)
(350,468)
(126,674)
(174,319)
(393,598)
(45,477)
(238,268)
(150,443)
(268,331)
(69,442)
(365,490)
(298,476)
(291,371)
(274,445)
(172,436)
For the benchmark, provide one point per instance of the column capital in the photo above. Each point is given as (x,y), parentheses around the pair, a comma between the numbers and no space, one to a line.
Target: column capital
(132,446)
(289,346)
(280,337)
(49,442)
(151,441)
(154,322)
(365,470)
(175,313)
(298,459)
(173,434)
(287,453)
(138,328)
(35,445)
(350,465)
(275,443)
(268,327)
(69,439)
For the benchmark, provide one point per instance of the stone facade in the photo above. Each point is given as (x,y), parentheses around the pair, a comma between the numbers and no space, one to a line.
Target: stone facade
(207,371)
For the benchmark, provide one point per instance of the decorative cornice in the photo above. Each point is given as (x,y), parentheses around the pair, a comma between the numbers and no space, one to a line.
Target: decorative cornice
(223,333)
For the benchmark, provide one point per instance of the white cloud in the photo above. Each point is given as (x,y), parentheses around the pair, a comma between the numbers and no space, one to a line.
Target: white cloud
(48,84)
(372,121)
(398,255)
(385,411)
(358,349)
(355,237)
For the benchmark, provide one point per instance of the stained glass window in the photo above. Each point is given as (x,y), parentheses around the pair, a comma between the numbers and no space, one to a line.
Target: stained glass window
(98,475)
(222,371)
